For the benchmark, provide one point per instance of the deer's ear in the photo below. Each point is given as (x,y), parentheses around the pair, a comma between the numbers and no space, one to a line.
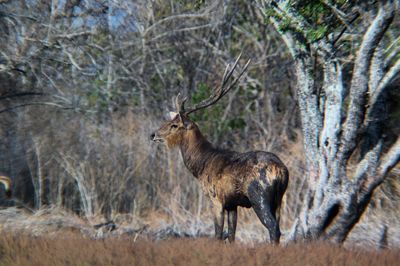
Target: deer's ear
(172,115)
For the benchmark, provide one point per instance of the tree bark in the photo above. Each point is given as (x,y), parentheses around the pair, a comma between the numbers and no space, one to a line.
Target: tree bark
(336,201)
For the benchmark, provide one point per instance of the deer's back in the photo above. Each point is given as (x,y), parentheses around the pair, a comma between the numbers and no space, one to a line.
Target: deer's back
(228,177)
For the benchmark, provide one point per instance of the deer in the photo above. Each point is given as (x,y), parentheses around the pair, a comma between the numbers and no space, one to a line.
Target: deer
(7,184)
(254,179)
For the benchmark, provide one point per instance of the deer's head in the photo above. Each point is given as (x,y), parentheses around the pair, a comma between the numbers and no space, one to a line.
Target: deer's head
(175,130)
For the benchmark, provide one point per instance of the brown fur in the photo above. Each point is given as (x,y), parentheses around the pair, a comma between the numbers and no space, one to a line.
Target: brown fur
(254,179)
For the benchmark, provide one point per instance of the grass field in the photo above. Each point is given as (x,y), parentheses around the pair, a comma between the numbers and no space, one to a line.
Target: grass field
(73,249)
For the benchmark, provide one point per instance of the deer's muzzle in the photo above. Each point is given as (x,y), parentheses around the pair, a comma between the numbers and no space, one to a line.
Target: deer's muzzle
(155,138)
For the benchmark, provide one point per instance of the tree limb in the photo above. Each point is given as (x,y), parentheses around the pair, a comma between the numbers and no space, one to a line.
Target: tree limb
(374,179)
(359,83)
(369,161)
(21,94)
(33,104)
(345,28)
(392,55)
(376,69)
(390,159)
(385,81)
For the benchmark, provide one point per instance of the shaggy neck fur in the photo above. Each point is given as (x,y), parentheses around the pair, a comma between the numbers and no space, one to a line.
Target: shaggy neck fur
(196,151)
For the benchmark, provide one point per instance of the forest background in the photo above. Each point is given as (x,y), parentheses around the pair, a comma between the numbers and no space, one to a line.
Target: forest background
(84,83)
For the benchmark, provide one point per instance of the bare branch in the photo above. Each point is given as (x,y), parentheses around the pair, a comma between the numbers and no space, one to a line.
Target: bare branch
(71,58)
(385,81)
(70,36)
(34,104)
(359,84)
(376,70)
(390,159)
(21,94)
(169,33)
(345,28)
(369,161)
(174,17)
(392,55)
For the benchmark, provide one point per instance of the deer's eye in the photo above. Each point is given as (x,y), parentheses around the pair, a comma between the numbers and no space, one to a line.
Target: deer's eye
(174,126)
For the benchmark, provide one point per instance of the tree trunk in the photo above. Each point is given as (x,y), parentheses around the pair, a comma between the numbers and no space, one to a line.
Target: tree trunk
(336,198)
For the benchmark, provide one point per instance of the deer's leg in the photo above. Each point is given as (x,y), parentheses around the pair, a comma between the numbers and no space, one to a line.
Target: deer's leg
(277,210)
(278,214)
(218,211)
(232,221)
(262,202)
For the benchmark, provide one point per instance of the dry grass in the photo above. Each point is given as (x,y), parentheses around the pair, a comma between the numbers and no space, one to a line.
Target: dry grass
(72,249)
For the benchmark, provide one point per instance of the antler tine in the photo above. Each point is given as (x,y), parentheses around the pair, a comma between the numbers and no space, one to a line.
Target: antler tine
(233,84)
(180,103)
(220,91)
(227,75)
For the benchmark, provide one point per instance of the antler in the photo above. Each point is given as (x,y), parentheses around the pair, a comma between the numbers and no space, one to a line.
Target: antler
(218,93)
(180,103)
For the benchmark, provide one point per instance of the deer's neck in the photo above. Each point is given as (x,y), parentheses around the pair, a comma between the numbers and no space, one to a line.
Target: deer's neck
(196,151)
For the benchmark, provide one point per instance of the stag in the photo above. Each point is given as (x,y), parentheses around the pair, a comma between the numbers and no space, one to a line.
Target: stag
(255,179)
